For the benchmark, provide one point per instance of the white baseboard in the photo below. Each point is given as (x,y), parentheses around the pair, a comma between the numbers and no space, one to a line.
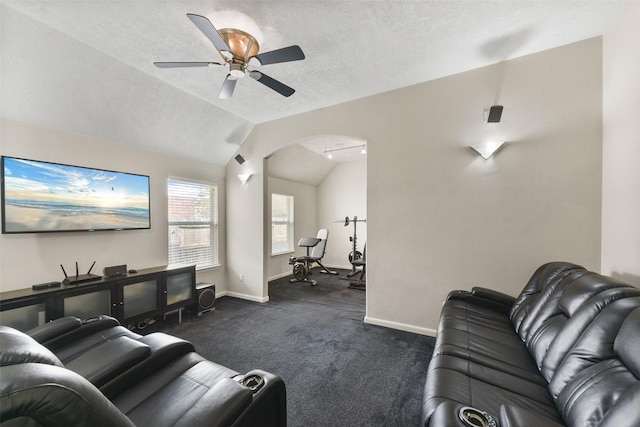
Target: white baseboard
(400,326)
(280,276)
(241,296)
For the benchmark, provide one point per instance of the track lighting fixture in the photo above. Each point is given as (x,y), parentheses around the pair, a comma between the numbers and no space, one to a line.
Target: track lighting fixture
(329,151)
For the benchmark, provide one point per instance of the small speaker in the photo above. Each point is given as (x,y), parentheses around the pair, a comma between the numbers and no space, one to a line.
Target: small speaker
(239,159)
(206,294)
(495,113)
(116,270)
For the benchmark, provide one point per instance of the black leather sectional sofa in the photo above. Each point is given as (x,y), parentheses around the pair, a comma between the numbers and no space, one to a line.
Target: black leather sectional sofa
(566,351)
(97,373)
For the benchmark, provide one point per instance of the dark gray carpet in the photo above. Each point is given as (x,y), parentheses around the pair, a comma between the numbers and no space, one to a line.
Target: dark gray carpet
(338,370)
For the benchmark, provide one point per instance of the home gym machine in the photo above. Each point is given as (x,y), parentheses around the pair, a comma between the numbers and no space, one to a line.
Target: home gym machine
(356,258)
(302,264)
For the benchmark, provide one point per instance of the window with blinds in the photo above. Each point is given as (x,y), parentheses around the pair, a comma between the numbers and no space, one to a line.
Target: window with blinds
(193,223)
(281,224)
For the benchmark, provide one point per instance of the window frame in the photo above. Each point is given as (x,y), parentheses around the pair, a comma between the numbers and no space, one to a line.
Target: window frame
(213,224)
(289,222)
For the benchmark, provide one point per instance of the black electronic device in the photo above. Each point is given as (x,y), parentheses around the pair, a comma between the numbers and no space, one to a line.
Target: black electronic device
(206,295)
(46,285)
(133,271)
(79,278)
(115,270)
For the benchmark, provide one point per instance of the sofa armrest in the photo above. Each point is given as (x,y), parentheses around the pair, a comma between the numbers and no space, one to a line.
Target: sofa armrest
(448,414)
(89,326)
(53,395)
(515,416)
(493,295)
(55,328)
(220,406)
(107,361)
(269,406)
(480,301)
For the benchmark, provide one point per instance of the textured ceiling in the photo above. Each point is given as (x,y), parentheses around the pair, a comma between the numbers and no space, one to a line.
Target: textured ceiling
(93,59)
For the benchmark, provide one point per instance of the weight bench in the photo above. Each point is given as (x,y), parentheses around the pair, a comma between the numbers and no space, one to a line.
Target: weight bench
(302,264)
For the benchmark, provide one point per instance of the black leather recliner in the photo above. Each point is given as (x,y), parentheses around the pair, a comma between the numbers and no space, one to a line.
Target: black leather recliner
(566,351)
(75,373)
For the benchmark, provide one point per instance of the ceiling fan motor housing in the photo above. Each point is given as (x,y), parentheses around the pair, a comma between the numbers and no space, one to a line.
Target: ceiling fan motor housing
(236,69)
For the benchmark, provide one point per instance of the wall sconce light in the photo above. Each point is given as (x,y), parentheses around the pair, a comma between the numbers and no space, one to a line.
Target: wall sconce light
(244,178)
(488,149)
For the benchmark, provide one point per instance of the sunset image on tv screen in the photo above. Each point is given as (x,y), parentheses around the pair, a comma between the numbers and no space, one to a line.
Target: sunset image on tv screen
(42,196)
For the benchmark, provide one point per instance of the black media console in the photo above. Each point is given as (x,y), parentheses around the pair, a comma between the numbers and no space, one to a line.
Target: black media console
(130,298)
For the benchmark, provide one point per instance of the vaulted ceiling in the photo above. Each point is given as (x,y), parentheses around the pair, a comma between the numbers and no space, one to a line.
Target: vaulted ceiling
(86,66)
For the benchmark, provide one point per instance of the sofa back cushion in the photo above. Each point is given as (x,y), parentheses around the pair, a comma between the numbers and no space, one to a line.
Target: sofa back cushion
(577,322)
(17,347)
(597,382)
(537,292)
(583,291)
(627,345)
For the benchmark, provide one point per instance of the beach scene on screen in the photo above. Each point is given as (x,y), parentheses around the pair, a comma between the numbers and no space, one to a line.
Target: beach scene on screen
(41,196)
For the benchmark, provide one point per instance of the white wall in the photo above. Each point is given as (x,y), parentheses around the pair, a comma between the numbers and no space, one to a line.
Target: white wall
(438,216)
(343,193)
(621,148)
(305,213)
(27,259)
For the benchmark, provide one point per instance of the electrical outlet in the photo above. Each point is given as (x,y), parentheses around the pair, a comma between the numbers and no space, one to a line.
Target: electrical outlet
(241,277)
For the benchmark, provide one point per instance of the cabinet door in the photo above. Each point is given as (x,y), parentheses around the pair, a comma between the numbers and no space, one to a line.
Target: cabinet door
(27,313)
(140,297)
(86,301)
(180,288)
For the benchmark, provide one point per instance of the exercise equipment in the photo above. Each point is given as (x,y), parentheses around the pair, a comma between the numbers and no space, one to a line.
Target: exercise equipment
(360,282)
(354,255)
(302,265)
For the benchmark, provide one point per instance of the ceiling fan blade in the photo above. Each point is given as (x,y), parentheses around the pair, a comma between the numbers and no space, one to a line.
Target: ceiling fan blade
(226,91)
(271,83)
(210,31)
(286,54)
(184,64)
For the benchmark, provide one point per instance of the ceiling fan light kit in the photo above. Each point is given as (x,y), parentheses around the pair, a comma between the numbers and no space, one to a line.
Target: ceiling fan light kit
(243,45)
(237,48)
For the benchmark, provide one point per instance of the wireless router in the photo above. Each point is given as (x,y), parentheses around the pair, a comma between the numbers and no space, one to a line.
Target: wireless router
(79,278)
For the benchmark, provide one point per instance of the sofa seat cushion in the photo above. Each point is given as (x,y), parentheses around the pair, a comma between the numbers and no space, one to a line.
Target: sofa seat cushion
(176,389)
(466,382)
(462,332)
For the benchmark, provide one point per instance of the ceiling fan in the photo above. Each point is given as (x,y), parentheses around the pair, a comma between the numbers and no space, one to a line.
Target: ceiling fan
(237,48)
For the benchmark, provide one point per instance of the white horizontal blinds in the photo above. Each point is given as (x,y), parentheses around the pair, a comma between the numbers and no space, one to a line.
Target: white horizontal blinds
(281,223)
(193,223)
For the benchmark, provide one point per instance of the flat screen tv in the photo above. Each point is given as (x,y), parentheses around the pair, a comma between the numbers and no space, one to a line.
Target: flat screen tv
(41,197)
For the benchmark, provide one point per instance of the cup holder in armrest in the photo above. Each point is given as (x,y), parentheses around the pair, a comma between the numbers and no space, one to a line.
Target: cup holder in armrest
(253,382)
(476,418)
